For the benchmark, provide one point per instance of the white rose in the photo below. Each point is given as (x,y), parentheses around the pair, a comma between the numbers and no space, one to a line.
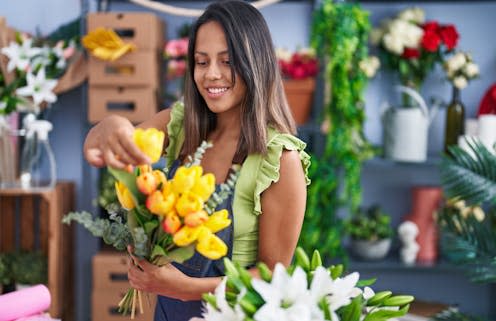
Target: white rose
(460,82)
(471,70)
(412,36)
(456,61)
(393,43)
(415,15)
(283,54)
(369,66)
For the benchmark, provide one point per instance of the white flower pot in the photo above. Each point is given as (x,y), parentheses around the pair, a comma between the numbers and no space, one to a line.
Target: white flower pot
(370,250)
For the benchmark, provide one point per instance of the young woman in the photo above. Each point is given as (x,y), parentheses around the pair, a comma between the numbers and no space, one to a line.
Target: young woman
(235,99)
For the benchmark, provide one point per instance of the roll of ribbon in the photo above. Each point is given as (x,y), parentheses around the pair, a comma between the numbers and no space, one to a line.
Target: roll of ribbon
(25,302)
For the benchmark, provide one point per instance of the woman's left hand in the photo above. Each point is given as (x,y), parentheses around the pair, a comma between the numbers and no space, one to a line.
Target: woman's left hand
(165,280)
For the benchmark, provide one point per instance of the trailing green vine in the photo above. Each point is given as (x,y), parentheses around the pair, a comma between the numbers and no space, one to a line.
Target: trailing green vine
(340,35)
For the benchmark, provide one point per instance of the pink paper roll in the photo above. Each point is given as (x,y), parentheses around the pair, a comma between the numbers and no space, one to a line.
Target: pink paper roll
(25,302)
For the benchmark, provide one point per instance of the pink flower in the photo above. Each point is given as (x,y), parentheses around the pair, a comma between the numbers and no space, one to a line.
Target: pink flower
(176,48)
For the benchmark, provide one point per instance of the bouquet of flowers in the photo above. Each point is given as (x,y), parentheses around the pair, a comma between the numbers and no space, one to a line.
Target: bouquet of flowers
(31,76)
(304,291)
(165,219)
(460,68)
(300,64)
(411,46)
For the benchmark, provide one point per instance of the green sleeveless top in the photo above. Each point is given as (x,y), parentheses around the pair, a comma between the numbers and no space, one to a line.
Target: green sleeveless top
(257,173)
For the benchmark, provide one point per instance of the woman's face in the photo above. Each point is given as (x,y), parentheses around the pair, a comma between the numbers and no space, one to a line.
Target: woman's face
(212,72)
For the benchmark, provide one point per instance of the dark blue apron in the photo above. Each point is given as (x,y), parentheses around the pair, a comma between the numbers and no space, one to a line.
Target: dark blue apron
(168,309)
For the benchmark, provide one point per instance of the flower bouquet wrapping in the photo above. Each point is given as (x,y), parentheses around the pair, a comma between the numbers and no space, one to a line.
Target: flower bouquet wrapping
(165,220)
(305,291)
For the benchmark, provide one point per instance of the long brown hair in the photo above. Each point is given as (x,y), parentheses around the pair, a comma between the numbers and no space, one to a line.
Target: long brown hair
(252,57)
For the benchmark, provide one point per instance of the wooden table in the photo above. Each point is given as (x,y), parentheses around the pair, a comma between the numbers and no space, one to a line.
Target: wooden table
(31,220)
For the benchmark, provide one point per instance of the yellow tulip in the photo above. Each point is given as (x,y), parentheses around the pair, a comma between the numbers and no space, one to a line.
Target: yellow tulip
(218,221)
(187,235)
(150,141)
(185,177)
(204,186)
(159,203)
(105,44)
(211,246)
(188,203)
(160,177)
(124,196)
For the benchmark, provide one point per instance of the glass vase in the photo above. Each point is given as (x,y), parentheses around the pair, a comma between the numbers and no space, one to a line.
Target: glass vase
(455,120)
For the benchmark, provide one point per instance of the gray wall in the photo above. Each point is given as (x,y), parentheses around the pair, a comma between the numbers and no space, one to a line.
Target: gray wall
(289,23)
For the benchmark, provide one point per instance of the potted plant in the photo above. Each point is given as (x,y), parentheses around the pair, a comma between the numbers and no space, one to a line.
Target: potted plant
(6,277)
(370,231)
(29,268)
(299,70)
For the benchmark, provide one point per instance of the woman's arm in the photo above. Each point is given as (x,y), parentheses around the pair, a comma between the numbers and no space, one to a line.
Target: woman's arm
(110,141)
(283,209)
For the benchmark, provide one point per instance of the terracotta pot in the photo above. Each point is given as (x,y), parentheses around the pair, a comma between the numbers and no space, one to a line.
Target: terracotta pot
(425,202)
(299,93)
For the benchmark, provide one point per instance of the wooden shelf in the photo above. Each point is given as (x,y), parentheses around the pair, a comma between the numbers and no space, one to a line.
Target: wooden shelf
(31,220)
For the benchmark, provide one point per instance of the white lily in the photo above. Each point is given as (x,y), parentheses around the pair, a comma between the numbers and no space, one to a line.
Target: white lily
(38,87)
(224,311)
(20,55)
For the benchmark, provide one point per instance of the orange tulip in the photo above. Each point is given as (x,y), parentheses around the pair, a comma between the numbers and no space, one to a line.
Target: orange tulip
(160,204)
(188,203)
(196,218)
(147,183)
(172,223)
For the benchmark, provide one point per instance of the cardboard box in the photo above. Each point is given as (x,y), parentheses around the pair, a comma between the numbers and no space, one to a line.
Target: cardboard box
(145,30)
(110,271)
(136,104)
(138,69)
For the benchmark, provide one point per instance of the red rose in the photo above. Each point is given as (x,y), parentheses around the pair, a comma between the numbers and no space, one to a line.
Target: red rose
(410,53)
(431,40)
(431,26)
(450,36)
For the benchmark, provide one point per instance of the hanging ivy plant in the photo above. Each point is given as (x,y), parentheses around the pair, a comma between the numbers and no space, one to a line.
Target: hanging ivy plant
(340,35)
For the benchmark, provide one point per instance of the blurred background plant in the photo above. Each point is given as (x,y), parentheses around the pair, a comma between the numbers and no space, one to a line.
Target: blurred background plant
(369,224)
(175,54)
(460,69)
(468,233)
(300,64)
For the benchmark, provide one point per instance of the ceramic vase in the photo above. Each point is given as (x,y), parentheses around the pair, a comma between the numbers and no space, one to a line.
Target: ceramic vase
(299,93)
(425,202)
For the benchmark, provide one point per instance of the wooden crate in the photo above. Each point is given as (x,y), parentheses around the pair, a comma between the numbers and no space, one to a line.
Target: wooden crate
(20,209)
(135,69)
(145,30)
(109,286)
(136,104)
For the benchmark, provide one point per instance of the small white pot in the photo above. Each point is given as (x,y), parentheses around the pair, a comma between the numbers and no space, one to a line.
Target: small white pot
(370,250)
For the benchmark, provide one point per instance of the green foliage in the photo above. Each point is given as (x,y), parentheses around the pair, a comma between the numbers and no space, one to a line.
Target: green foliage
(369,224)
(23,267)
(113,232)
(340,36)
(466,239)
(472,179)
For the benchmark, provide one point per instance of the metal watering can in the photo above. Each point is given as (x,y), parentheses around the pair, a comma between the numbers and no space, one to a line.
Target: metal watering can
(406,129)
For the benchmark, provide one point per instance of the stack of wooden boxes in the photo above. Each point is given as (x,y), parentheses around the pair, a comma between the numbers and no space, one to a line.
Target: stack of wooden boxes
(109,286)
(129,86)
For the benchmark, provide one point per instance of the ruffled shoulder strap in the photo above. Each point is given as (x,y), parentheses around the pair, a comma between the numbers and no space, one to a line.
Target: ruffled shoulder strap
(175,132)
(268,165)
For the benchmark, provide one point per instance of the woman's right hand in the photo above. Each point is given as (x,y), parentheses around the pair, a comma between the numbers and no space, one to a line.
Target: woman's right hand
(110,142)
